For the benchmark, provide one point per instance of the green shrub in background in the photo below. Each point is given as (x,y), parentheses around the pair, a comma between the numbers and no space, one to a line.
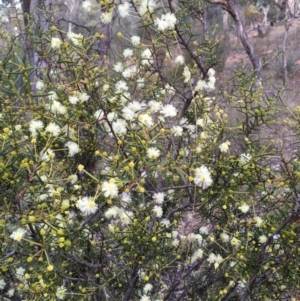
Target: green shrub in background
(121,178)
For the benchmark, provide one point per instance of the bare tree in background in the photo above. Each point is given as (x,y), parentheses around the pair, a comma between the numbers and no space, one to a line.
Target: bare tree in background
(289,8)
(233,9)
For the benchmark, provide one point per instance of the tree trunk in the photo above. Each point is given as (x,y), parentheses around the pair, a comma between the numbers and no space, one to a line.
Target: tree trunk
(233,9)
(288,24)
(289,9)
(225,20)
(265,12)
(31,9)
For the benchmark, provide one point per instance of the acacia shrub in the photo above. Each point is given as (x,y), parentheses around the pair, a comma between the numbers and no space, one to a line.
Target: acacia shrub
(113,189)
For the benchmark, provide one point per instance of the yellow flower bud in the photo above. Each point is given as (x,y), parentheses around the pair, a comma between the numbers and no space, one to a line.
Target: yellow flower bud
(80,167)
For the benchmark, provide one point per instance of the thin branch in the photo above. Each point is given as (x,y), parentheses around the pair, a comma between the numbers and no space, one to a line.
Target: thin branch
(221,2)
(84,262)
(74,23)
(10,254)
(134,279)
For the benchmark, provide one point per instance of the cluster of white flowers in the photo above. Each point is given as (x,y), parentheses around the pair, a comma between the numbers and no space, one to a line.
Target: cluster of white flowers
(186,75)
(56,43)
(177,130)
(146,120)
(56,107)
(129,72)
(157,210)
(126,198)
(146,57)
(245,159)
(61,292)
(224,147)
(235,242)
(87,205)
(121,87)
(18,234)
(224,237)
(155,106)
(47,155)
(166,22)
(118,67)
(158,197)
(168,111)
(153,153)
(165,223)
(119,215)
(198,254)
(127,53)
(78,96)
(179,60)
(145,298)
(147,6)
(135,40)
(216,259)
(87,6)
(124,9)
(258,221)
(75,38)
(262,239)
(119,127)
(39,85)
(18,127)
(204,230)
(35,126)
(73,148)
(110,189)
(146,289)
(73,178)
(53,129)
(209,85)
(130,112)
(244,207)
(2,284)
(202,177)
(106,17)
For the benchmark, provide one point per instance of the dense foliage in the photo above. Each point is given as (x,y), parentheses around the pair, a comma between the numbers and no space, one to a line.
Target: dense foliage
(121,177)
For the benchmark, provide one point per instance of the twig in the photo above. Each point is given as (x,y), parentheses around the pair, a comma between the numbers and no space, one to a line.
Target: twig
(84,262)
(132,284)
(74,23)
(11,253)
